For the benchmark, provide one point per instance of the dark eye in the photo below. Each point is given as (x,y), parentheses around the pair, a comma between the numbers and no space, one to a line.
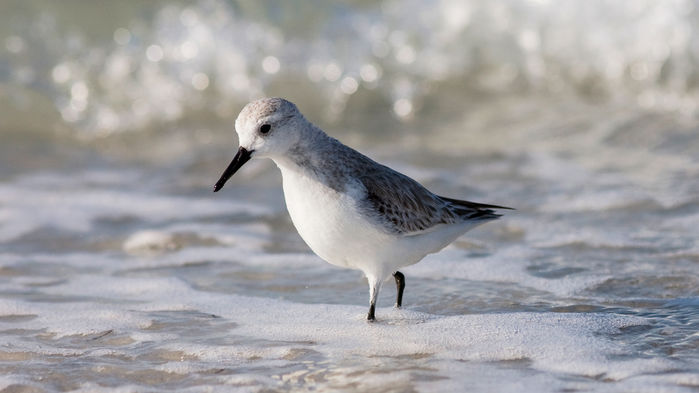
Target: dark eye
(265,128)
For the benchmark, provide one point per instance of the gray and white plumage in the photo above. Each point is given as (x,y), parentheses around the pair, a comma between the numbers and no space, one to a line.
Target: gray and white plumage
(352,211)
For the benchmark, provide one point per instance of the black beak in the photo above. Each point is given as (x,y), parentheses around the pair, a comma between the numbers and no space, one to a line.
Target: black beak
(240,158)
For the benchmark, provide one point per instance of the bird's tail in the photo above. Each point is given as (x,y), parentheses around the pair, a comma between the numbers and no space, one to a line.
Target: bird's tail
(474,210)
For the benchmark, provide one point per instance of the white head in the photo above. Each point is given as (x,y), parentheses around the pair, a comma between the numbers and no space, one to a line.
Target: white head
(268,127)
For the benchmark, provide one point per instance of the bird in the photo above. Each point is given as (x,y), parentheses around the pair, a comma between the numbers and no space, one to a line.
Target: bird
(350,210)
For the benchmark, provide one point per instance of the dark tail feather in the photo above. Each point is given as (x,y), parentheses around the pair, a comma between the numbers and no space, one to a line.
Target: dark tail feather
(475,210)
(474,205)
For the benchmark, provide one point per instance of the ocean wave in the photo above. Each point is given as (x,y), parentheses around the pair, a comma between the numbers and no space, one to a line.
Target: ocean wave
(155,63)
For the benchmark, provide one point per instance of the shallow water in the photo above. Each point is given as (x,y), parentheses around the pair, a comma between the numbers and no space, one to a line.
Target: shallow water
(120,270)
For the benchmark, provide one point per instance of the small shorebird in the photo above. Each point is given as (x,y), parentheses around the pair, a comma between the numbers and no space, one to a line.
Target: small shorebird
(351,211)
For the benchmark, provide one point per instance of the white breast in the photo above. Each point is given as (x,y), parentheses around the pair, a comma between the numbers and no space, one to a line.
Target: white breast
(332,225)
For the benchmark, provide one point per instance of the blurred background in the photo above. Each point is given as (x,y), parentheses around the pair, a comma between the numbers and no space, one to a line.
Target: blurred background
(116,119)
(165,79)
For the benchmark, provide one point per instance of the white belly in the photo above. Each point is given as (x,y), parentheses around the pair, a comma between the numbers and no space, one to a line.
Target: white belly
(332,226)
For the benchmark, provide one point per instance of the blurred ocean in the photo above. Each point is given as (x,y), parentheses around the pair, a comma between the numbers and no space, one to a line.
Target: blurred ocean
(121,271)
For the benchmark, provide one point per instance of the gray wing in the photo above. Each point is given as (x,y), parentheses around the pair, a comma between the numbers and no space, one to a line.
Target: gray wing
(404,206)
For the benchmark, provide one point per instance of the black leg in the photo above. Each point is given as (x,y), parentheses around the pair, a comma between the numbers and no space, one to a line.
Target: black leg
(400,285)
(374,288)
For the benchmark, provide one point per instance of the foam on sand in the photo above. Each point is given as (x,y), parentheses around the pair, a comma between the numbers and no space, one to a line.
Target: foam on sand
(509,266)
(558,343)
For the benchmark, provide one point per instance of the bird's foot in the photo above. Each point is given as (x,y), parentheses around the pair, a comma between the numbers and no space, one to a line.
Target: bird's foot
(371,316)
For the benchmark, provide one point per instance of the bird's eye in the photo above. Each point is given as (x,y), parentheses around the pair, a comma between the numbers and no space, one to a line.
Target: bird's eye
(265,128)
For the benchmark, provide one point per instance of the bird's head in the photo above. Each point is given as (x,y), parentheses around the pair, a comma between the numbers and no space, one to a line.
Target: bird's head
(267,127)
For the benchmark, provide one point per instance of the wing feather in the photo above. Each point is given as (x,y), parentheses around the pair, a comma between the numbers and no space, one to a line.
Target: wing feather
(399,203)
(406,207)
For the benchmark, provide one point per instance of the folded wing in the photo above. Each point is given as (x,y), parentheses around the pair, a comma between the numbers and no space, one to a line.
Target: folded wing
(403,206)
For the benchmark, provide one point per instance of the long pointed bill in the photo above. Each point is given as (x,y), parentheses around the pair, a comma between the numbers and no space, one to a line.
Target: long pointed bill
(240,158)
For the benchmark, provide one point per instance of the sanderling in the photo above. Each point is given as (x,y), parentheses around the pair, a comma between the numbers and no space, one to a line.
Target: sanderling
(351,211)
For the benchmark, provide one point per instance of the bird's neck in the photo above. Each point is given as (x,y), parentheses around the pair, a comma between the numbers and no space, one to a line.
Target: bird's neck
(310,157)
